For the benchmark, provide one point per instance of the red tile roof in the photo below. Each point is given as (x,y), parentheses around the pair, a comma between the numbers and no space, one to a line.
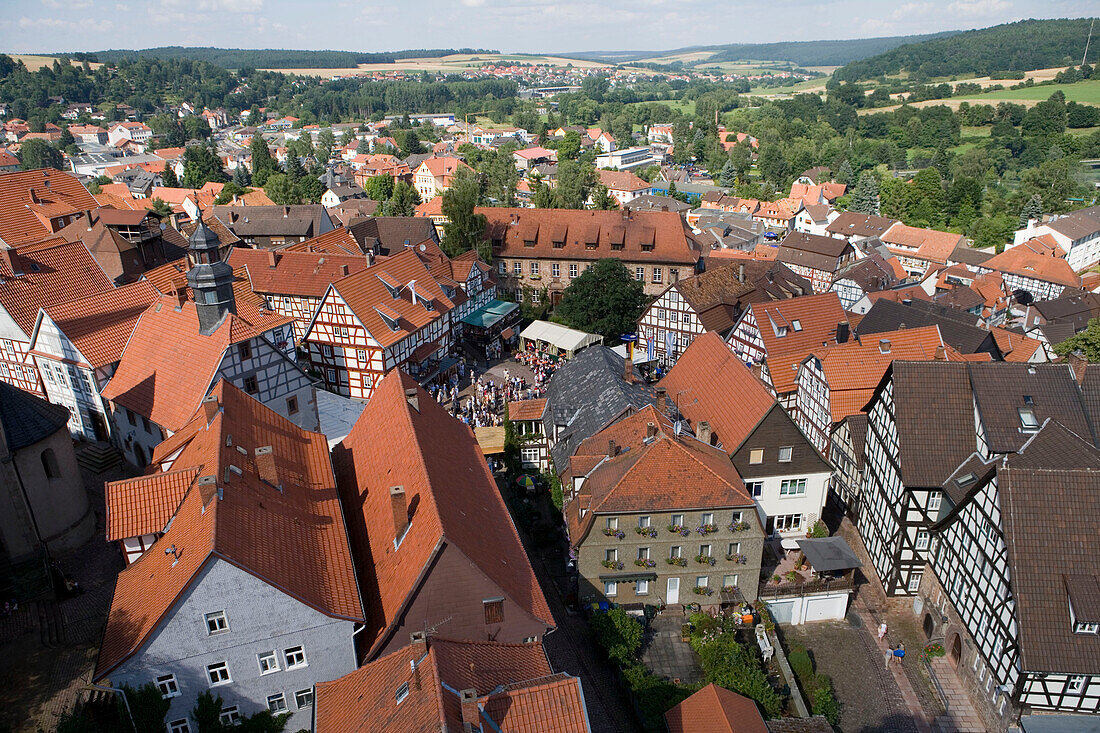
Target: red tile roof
(153,381)
(100,325)
(645,236)
(1015,346)
(143,505)
(366,293)
(621,181)
(294,273)
(716,710)
(438,461)
(1030,260)
(526,409)
(294,539)
(51,274)
(817,316)
(925,244)
(708,382)
(336,241)
(28,199)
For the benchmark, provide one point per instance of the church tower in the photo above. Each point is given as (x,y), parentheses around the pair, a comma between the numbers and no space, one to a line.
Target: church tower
(211,280)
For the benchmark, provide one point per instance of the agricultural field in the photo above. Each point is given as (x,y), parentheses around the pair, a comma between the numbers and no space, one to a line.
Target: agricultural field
(687,106)
(1083,92)
(453,63)
(34,63)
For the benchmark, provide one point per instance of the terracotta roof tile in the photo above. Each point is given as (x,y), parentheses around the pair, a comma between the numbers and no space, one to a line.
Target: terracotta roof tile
(143,505)
(438,461)
(717,710)
(100,325)
(621,181)
(526,409)
(1027,260)
(926,244)
(294,273)
(53,274)
(338,242)
(28,199)
(294,539)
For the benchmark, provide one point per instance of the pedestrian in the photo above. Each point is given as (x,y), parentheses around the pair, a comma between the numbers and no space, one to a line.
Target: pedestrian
(882,630)
(899,653)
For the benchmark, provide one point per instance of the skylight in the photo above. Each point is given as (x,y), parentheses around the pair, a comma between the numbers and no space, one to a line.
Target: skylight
(1028,421)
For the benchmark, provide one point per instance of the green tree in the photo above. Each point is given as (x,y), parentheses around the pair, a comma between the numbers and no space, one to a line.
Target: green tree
(465,229)
(727,178)
(604,299)
(1047,117)
(168,177)
(570,146)
(619,634)
(773,166)
(542,197)
(404,200)
(326,141)
(294,168)
(379,187)
(241,176)
(741,157)
(35,154)
(148,707)
(845,175)
(1087,342)
(602,199)
(201,165)
(161,208)
(263,165)
(575,181)
(925,201)
(1033,209)
(865,196)
(310,189)
(207,716)
(281,190)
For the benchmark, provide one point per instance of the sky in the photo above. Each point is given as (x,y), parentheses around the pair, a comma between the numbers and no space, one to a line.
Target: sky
(535,26)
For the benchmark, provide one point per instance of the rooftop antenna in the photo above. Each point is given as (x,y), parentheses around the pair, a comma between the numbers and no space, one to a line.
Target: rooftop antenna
(1087,41)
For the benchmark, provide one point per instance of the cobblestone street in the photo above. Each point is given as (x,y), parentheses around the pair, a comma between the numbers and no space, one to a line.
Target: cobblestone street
(50,646)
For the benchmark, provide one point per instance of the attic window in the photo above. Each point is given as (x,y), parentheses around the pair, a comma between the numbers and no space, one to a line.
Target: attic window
(1028,421)
(965,479)
(1028,400)
(796,325)
(780,331)
(1082,627)
(402,692)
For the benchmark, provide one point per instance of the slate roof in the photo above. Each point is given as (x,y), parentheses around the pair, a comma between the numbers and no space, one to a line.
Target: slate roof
(709,383)
(969,255)
(294,538)
(648,202)
(1078,224)
(958,328)
(716,710)
(719,295)
(453,497)
(391,234)
(517,691)
(585,394)
(870,274)
(26,418)
(263,221)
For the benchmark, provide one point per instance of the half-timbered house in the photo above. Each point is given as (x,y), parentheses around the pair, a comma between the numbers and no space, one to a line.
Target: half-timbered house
(918,249)
(393,314)
(815,257)
(777,336)
(1033,268)
(526,418)
(871,274)
(711,301)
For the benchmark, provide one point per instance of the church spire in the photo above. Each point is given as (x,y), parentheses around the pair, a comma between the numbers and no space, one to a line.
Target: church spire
(211,280)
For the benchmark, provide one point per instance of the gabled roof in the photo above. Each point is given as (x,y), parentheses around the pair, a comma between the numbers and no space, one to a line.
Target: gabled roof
(51,274)
(717,710)
(1015,346)
(871,274)
(807,323)
(812,250)
(709,383)
(143,505)
(259,221)
(392,234)
(100,325)
(27,418)
(621,181)
(720,294)
(290,535)
(294,273)
(854,224)
(153,381)
(368,295)
(526,409)
(452,497)
(1026,260)
(958,328)
(30,198)
(925,244)
(517,691)
(1078,224)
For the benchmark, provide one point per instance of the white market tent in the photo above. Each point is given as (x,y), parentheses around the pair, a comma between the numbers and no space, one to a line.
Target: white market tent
(555,338)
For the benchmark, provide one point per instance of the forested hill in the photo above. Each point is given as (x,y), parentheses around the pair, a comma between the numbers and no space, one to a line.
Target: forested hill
(1020,46)
(274,58)
(802,53)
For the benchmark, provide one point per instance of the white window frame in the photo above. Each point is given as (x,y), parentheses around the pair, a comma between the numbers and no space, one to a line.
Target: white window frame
(535,267)
(183,725)
(168,685)
(756,456)
(755,488)
(401,692)
(935,499)
(273,702)
(295,651)
(736,578)
(678,519)
(298,696)
(573,270)
(792,487)
(914,582)
(218,667)
(786,452)
(708,518)
(657,275)
(923,537)
(702,581)
(610,588)
(644,521)
(217,622)
(641,588)
(230,715)
(1075,684)
(612,523)
(555,269)
(639,274)
(268,662)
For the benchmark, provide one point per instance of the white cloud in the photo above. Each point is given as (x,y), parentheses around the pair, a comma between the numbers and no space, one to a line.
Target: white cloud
(214,6)
(979,8)
(72,5)
(911,10)
(58,24)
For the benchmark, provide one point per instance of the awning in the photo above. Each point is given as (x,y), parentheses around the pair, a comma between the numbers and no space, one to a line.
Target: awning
(507,334)
(827,554)
(628,577)
(490,314)
(491,439)
(564,339)
(423,351)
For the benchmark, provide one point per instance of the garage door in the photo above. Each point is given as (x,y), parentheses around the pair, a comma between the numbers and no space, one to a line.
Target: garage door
(826,608)
(781,611)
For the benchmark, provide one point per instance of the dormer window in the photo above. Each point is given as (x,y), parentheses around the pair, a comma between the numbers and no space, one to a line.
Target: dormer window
(1086,628)
(780,331)
(1028,421)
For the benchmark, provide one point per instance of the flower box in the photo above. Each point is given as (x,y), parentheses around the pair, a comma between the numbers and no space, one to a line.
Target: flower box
(679,529)
(677,561)
(705,529)
(739,526)
(738,558)
(646,531)
(705,560)
(645,562)
(702,590)
(618,533)
(613,564)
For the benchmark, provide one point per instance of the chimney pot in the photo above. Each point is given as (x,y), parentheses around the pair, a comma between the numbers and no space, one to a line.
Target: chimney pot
(413,398)
(941,354)
(628,367)
(400,508)
(471,715)
(651,430)
(703,432)
(741,273)
(210,408)
(265,465)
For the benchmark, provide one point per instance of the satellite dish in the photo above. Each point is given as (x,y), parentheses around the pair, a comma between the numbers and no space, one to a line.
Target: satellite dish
(423,248)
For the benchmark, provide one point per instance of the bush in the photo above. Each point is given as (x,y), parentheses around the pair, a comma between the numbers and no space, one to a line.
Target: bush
(654,695)
(823,701)
(734,666)
(556,494)
(619,634)
(801,663)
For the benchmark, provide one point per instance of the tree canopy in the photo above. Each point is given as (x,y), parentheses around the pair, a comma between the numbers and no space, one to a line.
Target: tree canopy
(604,299)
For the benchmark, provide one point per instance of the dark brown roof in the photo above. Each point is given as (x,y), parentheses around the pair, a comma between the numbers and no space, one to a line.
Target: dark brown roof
(264,221)
(959,329)
(391,234)
(812,250)
(968,255)
(719,295)
(853,224)
(871,274)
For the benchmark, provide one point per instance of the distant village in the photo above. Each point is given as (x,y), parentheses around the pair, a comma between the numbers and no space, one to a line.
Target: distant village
(335,472)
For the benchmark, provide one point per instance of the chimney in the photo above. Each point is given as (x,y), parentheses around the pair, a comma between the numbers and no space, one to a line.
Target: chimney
(471,715)
(612,449)
(702,432)
(651,430)
(11,258)
(419,641)
(662,400)
(741,273)
(88,218)
(413,398)
(286,211)
(265,465)
(842,332)
(400,509)
(344,270)
(210,408)
(941,354)
(272,259)
(884,346)
(628,367)
(1078,363)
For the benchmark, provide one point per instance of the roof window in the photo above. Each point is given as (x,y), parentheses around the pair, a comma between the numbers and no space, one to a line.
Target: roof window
(1028,421)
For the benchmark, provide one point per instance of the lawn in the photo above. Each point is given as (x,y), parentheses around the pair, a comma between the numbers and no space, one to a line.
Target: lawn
(687,106)
(1083,92)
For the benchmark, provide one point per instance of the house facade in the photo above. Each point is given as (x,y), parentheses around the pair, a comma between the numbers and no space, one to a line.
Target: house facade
(816,257)
(1077,233)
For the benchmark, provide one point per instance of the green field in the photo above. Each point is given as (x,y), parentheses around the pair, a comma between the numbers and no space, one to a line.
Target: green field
(802,86)
(685,106)
(1083,92)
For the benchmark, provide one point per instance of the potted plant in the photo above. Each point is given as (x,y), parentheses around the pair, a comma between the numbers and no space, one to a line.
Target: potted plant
(705,529)
(791,576)
(737,558)
(739,526)
(677,561)
(617,533)
(702,590)
(613,564)
(705,560)
(776,580)
(646,531)
(645,562)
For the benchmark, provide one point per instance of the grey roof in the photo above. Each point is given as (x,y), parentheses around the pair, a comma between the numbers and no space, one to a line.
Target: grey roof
(958,329)
(1059,723)
(657,203)
(260,221)
(969,255)
(337,415)
(1078,224)
(585,394)
(827,554)
(27,419)
(392,234)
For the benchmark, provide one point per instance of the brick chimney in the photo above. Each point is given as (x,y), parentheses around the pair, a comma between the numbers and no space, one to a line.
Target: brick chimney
(11,258)
(662,400)
(703,432)
(612,449)
(400,508)
(265,465)
(941,354)
(413,398)
(1078,363)
(651,430)
(471,715)
(210,408)
(628,367)
(272,259)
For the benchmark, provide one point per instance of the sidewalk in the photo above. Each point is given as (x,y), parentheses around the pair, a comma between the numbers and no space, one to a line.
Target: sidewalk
(908,694)
(961,717)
